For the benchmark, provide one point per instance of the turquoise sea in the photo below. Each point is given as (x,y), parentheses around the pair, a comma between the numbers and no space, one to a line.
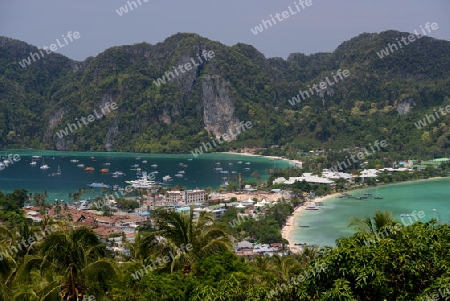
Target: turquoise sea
(199,172)
(331,221)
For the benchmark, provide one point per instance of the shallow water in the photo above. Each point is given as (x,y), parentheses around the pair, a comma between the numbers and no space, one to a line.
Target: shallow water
(331,221)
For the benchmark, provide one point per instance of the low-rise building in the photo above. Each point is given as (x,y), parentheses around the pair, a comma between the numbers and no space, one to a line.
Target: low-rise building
(187,196)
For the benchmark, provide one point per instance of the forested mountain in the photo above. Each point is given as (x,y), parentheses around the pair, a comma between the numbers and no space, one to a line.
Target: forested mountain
(382,98)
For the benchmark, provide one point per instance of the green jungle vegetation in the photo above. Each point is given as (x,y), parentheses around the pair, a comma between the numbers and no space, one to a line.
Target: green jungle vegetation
(383,260)
(381,99)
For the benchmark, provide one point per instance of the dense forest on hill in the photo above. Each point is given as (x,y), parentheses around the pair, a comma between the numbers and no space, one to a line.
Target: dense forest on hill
(380,99)
(53,260)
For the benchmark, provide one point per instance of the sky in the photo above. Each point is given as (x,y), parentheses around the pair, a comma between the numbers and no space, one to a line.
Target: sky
(320,27)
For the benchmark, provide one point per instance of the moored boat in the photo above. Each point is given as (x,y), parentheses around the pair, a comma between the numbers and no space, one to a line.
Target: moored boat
(117,174)
(44,166)
(98,185)
(311,208)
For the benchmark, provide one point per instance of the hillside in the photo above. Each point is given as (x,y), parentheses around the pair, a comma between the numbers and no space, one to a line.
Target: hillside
(380,99)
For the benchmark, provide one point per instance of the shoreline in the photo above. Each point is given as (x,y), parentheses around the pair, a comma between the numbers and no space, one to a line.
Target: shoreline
(291,221)
(275,158)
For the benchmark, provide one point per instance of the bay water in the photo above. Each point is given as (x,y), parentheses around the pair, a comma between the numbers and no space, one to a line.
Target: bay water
(331,221)
(199,171)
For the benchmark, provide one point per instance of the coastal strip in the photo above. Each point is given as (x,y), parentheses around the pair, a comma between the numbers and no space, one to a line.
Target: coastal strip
(291,223)
(288,230)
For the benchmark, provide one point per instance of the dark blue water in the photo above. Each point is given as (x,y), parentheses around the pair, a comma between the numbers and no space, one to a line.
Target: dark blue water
(200,172)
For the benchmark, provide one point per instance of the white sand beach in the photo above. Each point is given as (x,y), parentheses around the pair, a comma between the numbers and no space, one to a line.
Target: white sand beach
(292,222)
(271,157)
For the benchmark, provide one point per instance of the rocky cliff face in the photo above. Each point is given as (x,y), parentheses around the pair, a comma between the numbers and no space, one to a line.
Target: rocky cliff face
(218,112)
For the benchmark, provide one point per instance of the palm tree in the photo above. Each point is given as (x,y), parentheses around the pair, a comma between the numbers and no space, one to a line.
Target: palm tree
(8,264)
(180,232)
(77,258)
(369,226)
(284,267)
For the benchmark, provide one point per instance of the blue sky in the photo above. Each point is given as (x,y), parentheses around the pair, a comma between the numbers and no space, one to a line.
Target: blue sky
(320,27)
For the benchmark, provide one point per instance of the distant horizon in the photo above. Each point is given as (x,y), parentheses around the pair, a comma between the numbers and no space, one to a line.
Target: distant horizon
(307,54)
(276,29)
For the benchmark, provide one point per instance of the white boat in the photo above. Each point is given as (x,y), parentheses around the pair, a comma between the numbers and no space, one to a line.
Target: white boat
(178,175)
(144,162)
(154,165)
(239,162)
(247,163)
(167,178)
(107,164)
(143,182)
(311,208)
(80,165)
(181,171)
(36,157)
(44,166)
(98,185)
(74,161)
(33,163)
(117,174)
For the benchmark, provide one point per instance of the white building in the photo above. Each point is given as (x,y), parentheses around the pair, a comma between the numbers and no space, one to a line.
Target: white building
(327,173)
(308,177)
(369,173)
(188,196)
(194,196)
